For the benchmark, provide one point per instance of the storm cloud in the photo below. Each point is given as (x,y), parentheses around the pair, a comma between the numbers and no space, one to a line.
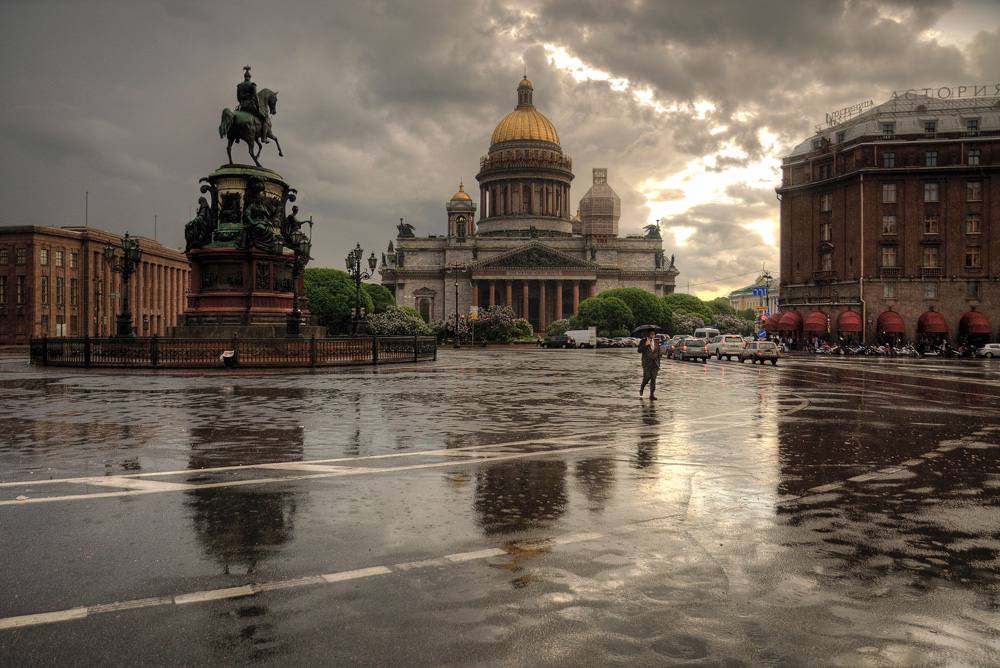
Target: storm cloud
(385,106)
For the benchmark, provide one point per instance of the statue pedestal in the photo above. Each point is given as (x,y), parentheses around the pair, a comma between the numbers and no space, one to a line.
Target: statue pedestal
(241,273)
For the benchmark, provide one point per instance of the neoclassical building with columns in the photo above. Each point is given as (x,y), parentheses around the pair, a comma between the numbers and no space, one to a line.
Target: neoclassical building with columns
(526,249)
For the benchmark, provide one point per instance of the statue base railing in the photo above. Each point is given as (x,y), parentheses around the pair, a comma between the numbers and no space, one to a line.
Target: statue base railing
(204,353)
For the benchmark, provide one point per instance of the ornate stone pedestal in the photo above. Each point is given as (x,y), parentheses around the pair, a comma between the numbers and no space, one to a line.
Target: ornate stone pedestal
(246,253)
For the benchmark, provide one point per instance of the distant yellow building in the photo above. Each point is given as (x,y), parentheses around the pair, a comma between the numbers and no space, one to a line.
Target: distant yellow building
(749,297)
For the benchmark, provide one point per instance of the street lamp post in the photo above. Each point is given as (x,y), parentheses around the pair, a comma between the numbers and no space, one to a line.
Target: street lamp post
(355,271)
(124,265)
(301,250)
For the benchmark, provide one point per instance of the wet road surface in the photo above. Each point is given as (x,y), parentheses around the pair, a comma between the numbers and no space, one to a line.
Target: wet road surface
(503,508)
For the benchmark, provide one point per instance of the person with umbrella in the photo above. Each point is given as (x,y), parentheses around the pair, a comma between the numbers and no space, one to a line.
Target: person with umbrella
(649,348)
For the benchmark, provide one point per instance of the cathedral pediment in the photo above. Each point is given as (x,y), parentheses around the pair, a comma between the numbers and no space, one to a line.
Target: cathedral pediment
(535,255)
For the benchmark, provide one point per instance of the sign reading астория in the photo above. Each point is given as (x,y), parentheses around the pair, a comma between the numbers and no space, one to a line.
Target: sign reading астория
(949,92)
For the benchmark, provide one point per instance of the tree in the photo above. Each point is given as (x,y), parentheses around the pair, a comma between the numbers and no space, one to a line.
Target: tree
(686,324)
(610,315)
(720,306)
(381,297)
(557,328)
(687,304)
(647,308)
(331,298)
(396,321)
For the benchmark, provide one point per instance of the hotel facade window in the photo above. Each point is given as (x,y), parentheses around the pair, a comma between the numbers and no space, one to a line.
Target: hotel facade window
(930,159)
(974,191)
(889,256)
(930,127)
(888,193)
(3,290)
(4,256)
(841,136)
(888,291)
(931,192)
(21,256)
(60,291)
(932,225)
(932,257)
(973,224)
(888,224)
(73,259)
(972,289)
(973,157)
(825,233)
(22,290)
(59,258)
(889,159)
(826,262)
(930,290)
(973,257)
(888,130)
(826,202)
(43,286)
(972,126)
(43,257)
(74,292)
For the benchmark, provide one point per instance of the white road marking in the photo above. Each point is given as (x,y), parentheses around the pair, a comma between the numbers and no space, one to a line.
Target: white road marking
(135,484)
(156,487)
(42,618)
(258,588)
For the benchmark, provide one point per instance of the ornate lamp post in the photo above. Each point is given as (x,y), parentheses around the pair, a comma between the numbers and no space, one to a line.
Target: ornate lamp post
(125,265)
(457,344)
(355,271)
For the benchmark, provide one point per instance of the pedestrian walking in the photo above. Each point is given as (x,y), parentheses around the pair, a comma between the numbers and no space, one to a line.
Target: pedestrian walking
(649,348)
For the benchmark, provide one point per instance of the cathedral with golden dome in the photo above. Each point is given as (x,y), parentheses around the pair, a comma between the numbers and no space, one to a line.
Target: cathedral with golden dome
(526,249)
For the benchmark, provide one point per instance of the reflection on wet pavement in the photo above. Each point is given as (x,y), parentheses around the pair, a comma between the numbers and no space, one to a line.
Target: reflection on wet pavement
(505,507)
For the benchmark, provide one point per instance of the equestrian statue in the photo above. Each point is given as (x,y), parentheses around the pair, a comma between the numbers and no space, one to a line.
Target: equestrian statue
(251,121)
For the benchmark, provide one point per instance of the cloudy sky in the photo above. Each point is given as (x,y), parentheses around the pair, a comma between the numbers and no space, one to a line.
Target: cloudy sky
(384,106)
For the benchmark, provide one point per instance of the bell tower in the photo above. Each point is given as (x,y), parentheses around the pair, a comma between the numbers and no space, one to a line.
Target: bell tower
(461,214)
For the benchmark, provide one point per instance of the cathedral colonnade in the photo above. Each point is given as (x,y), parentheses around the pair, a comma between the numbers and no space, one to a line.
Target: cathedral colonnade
(540,301)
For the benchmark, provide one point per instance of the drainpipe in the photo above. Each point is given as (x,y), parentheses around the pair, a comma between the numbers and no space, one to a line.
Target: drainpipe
(861,280)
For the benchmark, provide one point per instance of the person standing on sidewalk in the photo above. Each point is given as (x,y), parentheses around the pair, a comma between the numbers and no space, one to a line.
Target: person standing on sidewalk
(649,348)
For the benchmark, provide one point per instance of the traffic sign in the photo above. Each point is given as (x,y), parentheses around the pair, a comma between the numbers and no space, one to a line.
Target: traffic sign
(473,313)
(759,308)
(762,334)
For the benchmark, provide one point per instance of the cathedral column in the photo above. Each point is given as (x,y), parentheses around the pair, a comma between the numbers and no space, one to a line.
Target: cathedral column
(493,293)
(524,293)
(482,202)
(576,297)
(543,287)
(559,304)
(510,295)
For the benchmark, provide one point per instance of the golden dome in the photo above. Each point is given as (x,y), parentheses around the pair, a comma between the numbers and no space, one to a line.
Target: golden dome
(525,122)
(461,194)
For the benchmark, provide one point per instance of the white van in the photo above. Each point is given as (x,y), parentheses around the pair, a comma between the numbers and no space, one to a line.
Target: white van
(706,332)
(583,338)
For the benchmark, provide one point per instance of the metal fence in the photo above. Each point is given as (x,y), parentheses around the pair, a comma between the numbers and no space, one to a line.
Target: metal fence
(170,353)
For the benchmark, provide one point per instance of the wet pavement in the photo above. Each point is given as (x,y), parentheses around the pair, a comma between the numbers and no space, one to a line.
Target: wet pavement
(503,508)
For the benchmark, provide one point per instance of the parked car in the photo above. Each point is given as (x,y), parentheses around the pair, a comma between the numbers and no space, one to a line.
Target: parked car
(561,341)
(726,345)
(760,351)
(669,347)
(604,342)
(990,350)
(692,349)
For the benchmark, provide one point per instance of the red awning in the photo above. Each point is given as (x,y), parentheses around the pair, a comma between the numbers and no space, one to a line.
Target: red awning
(932,322)
(815,322)
(790,321)
(849,321)
(975,322)
(891,322)
(771,324)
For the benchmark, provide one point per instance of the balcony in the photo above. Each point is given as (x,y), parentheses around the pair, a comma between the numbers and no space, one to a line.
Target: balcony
(931,272)
(890,272)
(824,276)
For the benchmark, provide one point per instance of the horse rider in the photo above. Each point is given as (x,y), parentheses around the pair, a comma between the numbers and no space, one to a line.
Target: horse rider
(246,96)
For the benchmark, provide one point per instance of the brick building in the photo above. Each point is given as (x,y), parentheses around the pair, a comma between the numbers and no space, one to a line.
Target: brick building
(526,250)
(54,281)
(889,224)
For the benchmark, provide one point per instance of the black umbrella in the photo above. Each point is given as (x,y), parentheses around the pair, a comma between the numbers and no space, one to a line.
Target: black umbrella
(642,329)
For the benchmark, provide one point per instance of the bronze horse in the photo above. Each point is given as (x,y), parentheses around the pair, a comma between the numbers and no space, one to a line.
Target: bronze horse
(242,125)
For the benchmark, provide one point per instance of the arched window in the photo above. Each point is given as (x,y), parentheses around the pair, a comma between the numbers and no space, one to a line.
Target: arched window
(460,227)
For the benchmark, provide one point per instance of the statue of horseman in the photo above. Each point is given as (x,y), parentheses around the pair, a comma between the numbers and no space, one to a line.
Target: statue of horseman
(251,121)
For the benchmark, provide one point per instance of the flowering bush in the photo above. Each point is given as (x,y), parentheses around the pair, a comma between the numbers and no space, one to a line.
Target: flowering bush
(557,328)
(686,324)
(396,321)
(522,329)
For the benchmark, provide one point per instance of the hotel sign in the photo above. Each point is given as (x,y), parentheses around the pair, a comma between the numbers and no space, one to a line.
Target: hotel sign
(841,115)
(953,92)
